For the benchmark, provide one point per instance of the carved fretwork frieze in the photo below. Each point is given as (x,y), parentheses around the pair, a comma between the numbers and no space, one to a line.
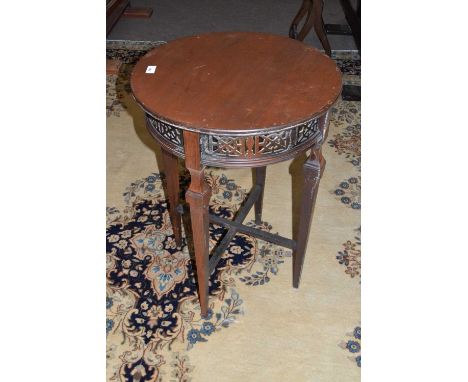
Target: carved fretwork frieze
(232,149)
(171,134)
(262,145)
(307,131)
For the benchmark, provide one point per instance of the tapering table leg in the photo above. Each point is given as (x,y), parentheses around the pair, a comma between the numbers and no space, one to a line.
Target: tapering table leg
(260,174)
(198,197)
(313,170)
(171,171)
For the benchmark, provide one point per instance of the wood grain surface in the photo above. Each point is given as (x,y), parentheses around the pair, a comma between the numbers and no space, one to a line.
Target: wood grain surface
(236,82)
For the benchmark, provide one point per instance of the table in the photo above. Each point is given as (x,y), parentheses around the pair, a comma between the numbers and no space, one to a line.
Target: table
(236,99)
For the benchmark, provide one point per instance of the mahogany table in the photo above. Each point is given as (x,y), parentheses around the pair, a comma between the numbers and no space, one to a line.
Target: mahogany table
(236,100)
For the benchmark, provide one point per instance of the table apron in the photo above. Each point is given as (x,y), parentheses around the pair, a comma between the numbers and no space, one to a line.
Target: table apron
(249,150)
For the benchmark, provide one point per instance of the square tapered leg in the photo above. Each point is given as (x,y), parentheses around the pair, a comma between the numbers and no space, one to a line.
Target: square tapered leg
(171,172)
(312,172)
(198,197)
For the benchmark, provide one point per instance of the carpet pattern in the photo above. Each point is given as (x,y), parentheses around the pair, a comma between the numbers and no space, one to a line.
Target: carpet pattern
(258,328)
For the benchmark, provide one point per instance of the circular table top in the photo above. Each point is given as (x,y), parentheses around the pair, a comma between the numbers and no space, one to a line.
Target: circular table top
(235,82)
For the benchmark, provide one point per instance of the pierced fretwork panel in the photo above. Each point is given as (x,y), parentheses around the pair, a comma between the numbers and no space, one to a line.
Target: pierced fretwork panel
(226,146)
(307,131)
(274,142)
(223,146)
(238,149)
(172,134)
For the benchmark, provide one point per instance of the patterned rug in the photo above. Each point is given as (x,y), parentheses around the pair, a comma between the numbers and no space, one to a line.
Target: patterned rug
(258,328)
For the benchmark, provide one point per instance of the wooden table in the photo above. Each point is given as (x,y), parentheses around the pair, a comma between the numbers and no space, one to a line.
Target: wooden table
(236,100)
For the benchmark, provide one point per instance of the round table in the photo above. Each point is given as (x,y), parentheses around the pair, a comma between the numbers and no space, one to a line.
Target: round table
(236,99)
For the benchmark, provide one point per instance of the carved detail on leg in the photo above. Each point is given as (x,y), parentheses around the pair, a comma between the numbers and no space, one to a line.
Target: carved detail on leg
(260,174)
(312,172)
(171,171)
(198,197)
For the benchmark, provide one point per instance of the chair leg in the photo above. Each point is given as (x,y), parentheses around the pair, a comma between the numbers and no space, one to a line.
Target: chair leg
(312,172)
(171,171)
(260,174)
(198,197)
(305,7)
(307,24)
(319,25)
